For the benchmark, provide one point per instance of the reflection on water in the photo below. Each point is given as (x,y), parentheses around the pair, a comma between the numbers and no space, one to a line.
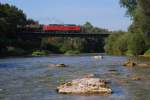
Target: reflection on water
(32,78)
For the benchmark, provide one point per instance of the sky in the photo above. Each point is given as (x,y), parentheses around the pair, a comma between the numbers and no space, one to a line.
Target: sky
(101,13)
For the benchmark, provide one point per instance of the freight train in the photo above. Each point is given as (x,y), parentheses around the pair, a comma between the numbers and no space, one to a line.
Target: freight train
(53,28)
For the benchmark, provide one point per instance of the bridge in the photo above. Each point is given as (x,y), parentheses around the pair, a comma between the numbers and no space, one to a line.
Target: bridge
(49,34)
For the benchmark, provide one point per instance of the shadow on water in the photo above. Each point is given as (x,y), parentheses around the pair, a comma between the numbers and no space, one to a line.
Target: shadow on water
(32,79)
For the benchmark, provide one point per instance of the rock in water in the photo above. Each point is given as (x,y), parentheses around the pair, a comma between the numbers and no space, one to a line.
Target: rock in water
(57,65)
(1,90)
(98,57)
(85,86)
(144,65)
(129,63)
(135,78)
(60,65)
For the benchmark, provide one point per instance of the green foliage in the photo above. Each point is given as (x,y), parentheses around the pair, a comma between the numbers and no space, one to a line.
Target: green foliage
(121,43)
(136,43)
(138,38)
(131,5)
(129,53)
(10,18)
(73,44)
(13,51)
(144,4)
(116,44)
(147,53)
(39,53)
(63,45)
(89,28)
(71,52)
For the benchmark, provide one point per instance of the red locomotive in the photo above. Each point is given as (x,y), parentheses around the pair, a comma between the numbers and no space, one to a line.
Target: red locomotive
(57,27)
(51,28)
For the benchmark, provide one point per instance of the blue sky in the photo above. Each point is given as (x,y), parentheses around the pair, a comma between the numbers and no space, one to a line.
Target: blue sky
(102,13)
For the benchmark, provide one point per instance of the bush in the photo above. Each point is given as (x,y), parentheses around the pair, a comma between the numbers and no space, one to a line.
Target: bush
(136,43)
(129,53)
(39,53)
(122,43)
(71,52)
(116,44)
(12,51)
(147,53)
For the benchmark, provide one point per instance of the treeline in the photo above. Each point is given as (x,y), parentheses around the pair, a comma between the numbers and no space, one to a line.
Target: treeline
(89,28)
(137,40)
(11,45)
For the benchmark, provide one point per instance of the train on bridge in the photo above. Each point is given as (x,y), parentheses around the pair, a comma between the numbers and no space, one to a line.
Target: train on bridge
(57,30)
(35,27)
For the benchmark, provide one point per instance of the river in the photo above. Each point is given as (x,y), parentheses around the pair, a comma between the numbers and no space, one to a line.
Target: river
(31,78)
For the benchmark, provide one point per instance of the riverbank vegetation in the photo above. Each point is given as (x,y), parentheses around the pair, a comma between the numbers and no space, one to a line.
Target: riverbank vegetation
(137,40)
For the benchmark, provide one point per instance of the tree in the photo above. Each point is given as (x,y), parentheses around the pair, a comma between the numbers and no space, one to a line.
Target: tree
(131,5)
(116,44)
(87,27)
(10,17)
(145,19)
(139,10)
(136,43)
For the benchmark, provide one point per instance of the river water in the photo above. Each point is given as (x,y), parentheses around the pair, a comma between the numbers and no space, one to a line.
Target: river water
(31,78)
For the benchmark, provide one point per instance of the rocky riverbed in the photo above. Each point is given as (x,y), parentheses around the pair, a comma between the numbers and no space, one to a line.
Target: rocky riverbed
(35,78)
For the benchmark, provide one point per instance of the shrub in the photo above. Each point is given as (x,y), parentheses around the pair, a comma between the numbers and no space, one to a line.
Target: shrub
(39,53)
(136,43)
(70,52)
(116,44)
(122,43)
(12,51)
(147,53)
(129,53)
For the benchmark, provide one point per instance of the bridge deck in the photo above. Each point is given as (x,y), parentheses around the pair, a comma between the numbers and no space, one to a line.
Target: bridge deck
(46,34)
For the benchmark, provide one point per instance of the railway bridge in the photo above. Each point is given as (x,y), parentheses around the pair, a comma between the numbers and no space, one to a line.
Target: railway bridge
(60,34)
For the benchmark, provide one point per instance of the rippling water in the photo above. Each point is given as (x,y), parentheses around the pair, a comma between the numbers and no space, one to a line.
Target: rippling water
(32,79)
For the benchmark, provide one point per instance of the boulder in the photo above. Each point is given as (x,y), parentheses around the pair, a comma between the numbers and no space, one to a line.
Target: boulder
(98,57)
(130,63)
(56,65)
(112,70)
(135,78)
(144,65)
(85,86)
(60,65)
(1,90)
